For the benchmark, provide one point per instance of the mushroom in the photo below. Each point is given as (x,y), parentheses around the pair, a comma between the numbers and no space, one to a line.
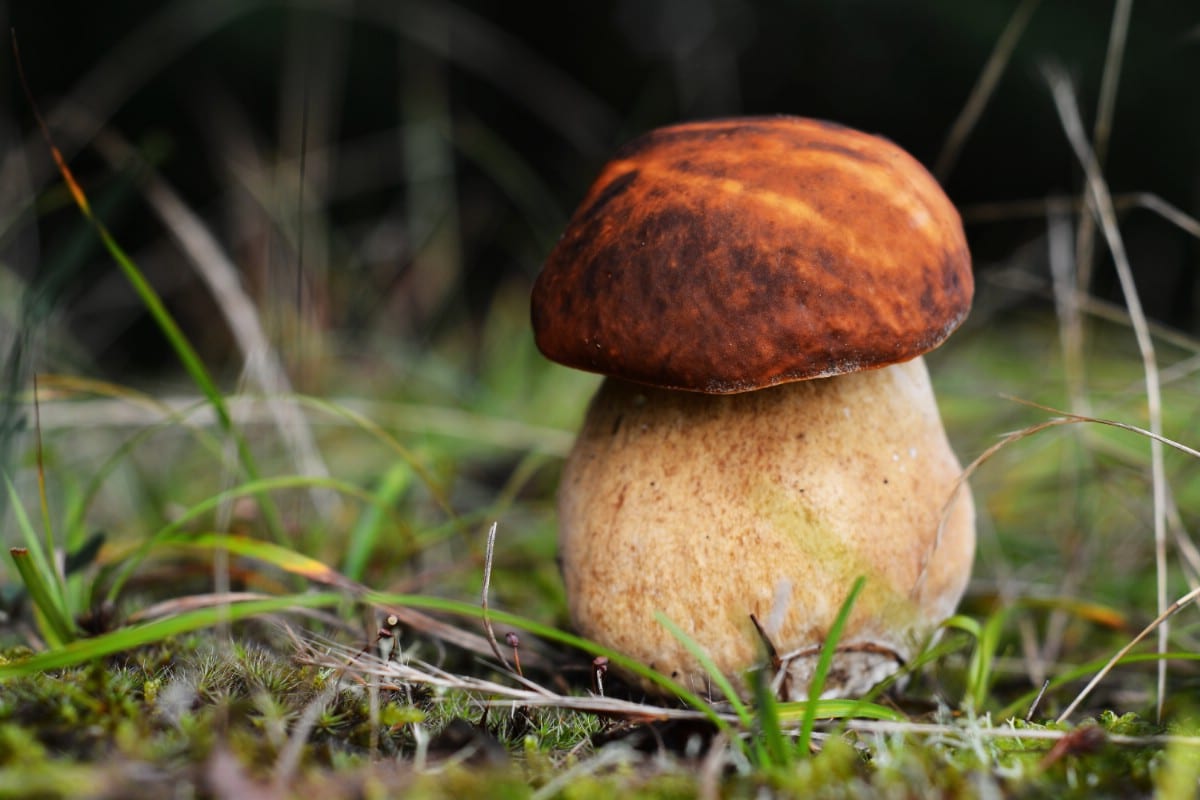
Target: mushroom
(759,292)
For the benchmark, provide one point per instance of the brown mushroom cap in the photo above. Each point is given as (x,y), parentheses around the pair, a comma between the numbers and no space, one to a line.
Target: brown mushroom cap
(736,254)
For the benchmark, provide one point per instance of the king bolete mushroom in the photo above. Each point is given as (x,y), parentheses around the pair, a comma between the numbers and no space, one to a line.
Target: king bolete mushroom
(759,292)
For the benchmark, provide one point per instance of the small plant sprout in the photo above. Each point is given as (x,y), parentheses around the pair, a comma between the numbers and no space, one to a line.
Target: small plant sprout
(387,638)
(514,642)
(759,292)
(599,670)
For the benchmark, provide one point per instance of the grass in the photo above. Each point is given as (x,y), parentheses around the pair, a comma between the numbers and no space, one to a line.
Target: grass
(292,589)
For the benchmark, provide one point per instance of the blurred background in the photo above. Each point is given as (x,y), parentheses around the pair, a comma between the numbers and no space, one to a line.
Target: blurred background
(444,143)
(384,179)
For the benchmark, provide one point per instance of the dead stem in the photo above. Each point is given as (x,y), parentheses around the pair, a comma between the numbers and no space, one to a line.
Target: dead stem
(483,599)
(1064,101)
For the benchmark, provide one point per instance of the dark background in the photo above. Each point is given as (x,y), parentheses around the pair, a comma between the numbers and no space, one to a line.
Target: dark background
(526,101)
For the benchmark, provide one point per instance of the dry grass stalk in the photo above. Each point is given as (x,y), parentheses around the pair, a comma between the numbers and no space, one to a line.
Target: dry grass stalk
(1097,189)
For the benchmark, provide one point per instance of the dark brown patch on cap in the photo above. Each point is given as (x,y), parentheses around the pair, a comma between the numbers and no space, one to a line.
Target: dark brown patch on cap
(731,255)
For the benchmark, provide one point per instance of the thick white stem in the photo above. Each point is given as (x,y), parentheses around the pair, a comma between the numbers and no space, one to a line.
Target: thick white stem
(771,503)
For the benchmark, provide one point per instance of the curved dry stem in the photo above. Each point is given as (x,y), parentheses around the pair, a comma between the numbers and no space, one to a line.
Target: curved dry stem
(1158,623)
(1062,418)
(483,598)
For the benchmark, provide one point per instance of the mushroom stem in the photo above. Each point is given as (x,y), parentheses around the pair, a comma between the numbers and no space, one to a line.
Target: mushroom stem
(711,509)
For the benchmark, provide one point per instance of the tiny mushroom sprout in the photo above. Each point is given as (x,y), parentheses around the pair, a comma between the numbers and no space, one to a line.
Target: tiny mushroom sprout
(759,292)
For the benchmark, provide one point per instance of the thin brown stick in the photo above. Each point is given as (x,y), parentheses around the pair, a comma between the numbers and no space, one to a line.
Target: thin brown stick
(515,641)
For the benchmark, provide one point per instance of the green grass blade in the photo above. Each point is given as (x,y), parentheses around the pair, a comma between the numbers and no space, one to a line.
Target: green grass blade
(837,708)
(254,488)
(56,627)
(979,672)
(184,351)
(366,532)
(987,642)
(817,685)
(278,556)
(170,420)
(84,650)
(194,367)
(965,624)
(774,749)
(53,598)
(43,500)
(715,675)
(369,426)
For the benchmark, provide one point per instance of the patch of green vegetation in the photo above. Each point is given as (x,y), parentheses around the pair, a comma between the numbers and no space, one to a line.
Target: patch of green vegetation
(193,600)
